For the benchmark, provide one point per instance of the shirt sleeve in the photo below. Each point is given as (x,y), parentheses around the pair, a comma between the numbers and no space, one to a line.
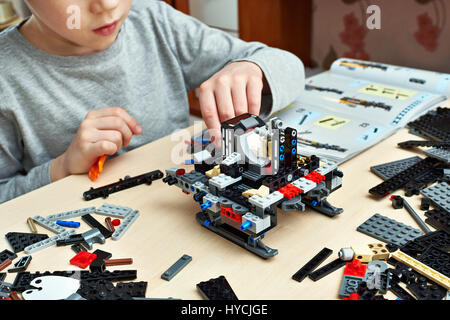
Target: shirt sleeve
(203,51)
(14,180)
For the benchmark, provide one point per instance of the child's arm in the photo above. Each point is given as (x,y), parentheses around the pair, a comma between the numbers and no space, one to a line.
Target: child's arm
(208,59)
(103,131)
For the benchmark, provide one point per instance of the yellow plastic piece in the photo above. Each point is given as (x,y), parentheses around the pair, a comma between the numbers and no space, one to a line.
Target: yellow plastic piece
(423,269)
(379,251)
(362,253)
(263,191)
(214,172)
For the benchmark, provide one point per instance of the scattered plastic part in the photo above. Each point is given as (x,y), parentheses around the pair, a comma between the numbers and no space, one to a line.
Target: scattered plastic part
(355,268)
(433,125)
(439,194)
(440,154)
(6,254)
(398,202)
(83,259)
(113,210)
(93,236)
(436,259)
(48,242)
(51,288)
(116,222)
(420,143)
(400,292)
(68,224)
(402,178)
(93,223)
(5,264)
(425,204)
(424,291)
(19,241)
(98,265)
(346,254)
(439,219)
(125,225)
(423,269)
(105,290)
(47,224)
(71,214)
(117,262)
(71,240)
(122,184)
(176,267)
(349,285)
(327,269)
(78,247)
(32,226)
(216,289)
(109,224)
(312,264)
(388,230)
(21,265)
(97,168)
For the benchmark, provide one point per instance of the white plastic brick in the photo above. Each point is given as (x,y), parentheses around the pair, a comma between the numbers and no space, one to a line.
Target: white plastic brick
(202,156)
(327,167)
(113,210)
(48,242)
(125,225)
(265,202)
(49,225)
(71,214)
(199,186)
(222,181)
(214,201)
(232,159)
(258,224)
(304,184)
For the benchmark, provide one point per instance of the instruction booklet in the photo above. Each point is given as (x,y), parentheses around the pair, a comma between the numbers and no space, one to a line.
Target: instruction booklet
(357,104)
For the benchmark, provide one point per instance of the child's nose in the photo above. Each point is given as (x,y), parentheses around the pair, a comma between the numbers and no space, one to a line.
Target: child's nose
(99,6)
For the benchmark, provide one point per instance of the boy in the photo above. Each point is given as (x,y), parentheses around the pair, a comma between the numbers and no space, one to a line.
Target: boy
(68,96)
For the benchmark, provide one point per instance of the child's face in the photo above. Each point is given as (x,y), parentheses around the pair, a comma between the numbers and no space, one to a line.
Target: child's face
(92,24)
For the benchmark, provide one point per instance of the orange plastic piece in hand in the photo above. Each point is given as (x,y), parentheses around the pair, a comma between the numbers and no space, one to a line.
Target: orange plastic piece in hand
(97,168)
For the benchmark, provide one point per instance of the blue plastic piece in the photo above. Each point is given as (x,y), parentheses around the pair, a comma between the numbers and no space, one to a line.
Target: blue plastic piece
(69,224)
(207,223)
(281,157)
(281,148)
(314,203)
(294,151)
(247,224)
(206,205)
(294,142)
(190,161)
(202,141)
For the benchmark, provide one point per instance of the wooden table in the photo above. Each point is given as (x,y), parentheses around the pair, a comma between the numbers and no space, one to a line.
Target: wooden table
(167,229)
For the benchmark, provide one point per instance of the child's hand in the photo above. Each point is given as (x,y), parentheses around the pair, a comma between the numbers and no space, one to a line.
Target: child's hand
(103,131)
(234,90)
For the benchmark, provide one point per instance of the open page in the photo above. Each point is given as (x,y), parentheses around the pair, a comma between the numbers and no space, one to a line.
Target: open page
(414,79)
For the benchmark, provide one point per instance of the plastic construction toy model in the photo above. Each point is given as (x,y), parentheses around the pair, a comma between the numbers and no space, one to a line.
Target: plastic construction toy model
(257,171)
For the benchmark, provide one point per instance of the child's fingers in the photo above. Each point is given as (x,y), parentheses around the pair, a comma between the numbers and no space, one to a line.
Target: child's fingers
(239,96)
(254,92)
(115,123)
(224,103)
(109,135)
(100,148)
(209,110)
(116,112)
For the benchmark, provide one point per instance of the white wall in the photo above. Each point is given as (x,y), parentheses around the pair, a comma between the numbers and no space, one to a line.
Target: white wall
(222,14)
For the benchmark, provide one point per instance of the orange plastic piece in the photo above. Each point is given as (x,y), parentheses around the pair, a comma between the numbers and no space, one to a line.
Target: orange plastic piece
(97,168)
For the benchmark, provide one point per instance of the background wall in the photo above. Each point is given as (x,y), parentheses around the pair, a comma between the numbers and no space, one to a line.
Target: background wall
(414,33)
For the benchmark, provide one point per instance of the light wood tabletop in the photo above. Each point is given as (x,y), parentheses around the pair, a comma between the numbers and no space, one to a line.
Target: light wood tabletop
(166,228)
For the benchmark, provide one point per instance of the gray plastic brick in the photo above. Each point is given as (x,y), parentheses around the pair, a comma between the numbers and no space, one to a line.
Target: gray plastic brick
(304,184)
(388,230)
(125,225)
(327,167)
(439,194)
(349,285)
(388,170)
(176,267)
(71,214)
(439,153)
(47,224)
(113,210)
(48,242)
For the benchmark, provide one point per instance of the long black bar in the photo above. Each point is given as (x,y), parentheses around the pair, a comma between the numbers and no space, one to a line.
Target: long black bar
(122,184)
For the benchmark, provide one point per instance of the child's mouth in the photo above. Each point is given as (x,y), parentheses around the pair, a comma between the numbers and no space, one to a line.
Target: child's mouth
(106,30)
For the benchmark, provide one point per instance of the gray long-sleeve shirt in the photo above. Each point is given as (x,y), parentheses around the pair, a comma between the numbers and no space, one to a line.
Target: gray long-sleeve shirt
(159,55)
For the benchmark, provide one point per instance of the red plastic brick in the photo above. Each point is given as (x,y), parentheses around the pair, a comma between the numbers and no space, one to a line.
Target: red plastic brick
(83,259)
(290,191)
(316,177)
(355,268)
(115,222)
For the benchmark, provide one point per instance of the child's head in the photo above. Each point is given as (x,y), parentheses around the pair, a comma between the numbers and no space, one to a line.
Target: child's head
(89,24)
